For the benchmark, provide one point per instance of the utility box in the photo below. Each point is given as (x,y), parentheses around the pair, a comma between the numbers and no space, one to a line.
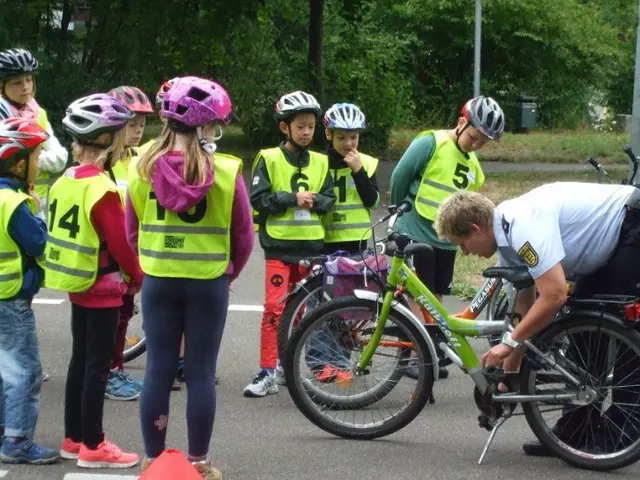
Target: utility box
(526,110)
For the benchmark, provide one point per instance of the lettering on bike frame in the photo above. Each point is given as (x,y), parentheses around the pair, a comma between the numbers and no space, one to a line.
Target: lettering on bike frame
(483,296)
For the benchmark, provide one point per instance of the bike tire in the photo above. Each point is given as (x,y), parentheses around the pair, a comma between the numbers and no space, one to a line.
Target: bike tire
(308,407)
(134,352)
(285,327)
(539,427)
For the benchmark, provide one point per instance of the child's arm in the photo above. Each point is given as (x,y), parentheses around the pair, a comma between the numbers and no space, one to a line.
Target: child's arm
(107,217)
(411,165)
(53,156)
(367,188)
(131,223)
(325,198)
(28,231)
(242,237)
(263,199)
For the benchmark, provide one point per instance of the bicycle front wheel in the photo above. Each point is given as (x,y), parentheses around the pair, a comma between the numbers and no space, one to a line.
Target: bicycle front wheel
(600,430)
(324,383)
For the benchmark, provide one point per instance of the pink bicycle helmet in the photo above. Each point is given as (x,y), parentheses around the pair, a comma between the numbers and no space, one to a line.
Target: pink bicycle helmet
(88,117)
(193,102)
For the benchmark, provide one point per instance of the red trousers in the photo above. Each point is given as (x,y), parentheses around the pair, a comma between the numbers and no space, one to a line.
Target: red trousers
(279,279)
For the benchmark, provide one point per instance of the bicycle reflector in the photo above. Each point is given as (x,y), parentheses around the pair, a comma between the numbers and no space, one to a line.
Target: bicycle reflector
(632,312)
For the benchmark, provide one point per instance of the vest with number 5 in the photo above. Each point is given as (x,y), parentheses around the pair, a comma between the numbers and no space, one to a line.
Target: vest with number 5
(73,245)
(448,171)
(193,244)
(295,223)
(349,220)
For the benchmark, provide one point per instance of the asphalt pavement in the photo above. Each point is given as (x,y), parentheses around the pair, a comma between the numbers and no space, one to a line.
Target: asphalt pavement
(268,439)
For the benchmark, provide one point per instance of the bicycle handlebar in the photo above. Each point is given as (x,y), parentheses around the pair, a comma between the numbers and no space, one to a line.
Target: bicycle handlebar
(632,156)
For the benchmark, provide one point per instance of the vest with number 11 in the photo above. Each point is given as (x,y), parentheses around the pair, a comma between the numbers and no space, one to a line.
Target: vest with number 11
(73,245)
(349,220)
(193,244)
(448,171)
(295,223)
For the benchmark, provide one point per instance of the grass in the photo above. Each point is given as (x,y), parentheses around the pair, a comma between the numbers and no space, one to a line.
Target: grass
(542,146)
(467,276)
(546,147)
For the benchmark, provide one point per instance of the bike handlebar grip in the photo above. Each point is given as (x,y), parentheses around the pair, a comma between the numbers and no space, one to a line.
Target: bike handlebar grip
(593,162)
(404,208)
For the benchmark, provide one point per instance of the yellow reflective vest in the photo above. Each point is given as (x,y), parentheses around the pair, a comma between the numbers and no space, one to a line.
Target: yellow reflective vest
(448,171)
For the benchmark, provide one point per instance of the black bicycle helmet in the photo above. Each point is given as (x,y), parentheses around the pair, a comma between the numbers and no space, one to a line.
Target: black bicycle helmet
(16,61)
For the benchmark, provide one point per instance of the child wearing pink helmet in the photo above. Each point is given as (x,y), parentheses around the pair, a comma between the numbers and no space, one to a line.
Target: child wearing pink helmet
(188,216)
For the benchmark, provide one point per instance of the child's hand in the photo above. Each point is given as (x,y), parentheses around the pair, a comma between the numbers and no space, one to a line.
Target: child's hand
(34,195)
(305,199)
(353,160)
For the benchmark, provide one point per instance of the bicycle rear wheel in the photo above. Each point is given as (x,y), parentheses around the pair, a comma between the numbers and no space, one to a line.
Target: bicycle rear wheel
(135,343)
(600,432)
(353,404)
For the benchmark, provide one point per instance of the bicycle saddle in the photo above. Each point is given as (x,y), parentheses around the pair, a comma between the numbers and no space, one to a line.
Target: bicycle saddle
(518,276)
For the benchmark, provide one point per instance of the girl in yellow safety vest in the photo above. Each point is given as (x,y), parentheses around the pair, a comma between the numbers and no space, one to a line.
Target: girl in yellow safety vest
(87,255)
(18,86)
(188,216)
(120,385)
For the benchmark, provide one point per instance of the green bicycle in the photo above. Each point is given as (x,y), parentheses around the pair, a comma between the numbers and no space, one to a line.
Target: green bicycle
(358,335)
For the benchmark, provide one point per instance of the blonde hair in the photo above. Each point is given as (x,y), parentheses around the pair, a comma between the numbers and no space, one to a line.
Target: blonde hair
(197,162)
(461,210)
(99,156)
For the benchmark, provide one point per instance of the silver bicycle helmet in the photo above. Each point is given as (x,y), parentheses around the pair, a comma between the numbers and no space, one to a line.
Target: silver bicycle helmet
(297,102)
(485,114)
(344,116)
(88,117)
(5,110)
(16,61)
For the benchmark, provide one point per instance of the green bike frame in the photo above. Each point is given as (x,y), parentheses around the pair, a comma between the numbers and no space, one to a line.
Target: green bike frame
(455,329)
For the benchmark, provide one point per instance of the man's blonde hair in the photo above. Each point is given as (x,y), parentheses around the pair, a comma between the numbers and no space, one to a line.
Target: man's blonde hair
(462,209)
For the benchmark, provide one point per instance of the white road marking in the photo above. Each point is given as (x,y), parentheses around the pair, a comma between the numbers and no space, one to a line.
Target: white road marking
(232,307)
(98,476)
(246,308)
(3,473)
(49,301)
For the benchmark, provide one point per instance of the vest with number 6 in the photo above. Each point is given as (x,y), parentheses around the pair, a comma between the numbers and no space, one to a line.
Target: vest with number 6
(448,171)
(295,223)
(43,178)
(192,244)
(73,246)
(11,274)
(349,220)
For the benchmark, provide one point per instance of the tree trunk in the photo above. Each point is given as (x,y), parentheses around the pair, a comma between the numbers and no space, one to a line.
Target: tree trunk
(67,13)
(316,9)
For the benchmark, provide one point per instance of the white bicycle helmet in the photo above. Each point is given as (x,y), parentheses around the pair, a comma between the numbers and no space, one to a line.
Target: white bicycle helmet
(16,61)
(344,116)
(5,110)
(485,114)
(297,102)
(88,117)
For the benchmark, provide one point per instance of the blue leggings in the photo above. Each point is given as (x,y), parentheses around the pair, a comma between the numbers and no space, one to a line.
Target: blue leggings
(171,307)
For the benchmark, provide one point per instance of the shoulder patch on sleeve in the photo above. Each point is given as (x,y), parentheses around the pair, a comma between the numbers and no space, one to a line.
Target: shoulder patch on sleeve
(529,255)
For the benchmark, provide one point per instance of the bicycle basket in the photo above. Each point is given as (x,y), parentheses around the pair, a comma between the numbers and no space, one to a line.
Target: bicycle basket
(343,275)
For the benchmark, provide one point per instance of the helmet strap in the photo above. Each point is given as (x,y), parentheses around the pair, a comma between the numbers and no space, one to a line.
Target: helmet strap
(210,148)
(460,132)
(290,139)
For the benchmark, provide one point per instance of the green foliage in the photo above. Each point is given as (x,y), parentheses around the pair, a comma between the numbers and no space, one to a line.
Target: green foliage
(405,63)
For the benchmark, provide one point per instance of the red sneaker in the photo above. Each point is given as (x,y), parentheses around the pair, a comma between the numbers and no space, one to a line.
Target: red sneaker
(70,449)
(107,455)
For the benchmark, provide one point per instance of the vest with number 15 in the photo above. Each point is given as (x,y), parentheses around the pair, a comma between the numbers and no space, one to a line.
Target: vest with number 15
(448,171)
(73,245)
(295,223)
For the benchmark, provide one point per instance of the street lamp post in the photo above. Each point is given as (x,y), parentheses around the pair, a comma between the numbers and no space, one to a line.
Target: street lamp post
(477,47)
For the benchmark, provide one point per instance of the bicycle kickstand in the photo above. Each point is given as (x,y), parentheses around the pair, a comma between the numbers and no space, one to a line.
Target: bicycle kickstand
(492,435)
